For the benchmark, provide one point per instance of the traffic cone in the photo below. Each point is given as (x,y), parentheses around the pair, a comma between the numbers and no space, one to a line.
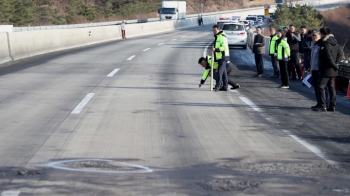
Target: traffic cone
(348,93)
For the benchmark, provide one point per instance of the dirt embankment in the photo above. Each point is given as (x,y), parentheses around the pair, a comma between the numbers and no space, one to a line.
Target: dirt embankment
(338,20)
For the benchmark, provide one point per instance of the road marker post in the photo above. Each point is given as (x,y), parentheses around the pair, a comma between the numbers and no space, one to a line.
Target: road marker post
(211,71)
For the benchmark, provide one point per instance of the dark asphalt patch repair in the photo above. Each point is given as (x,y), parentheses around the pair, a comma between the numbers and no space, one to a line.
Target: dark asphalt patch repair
(229,185)
(112,166)
(288,168)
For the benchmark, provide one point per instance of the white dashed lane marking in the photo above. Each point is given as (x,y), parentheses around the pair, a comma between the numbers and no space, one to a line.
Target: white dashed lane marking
(131,57)
(112,73)
(82,104)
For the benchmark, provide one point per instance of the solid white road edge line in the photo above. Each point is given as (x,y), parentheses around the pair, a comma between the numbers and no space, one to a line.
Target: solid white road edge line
(146,49)
(10,193)
(160,43)
(307,145)
(131,57)
(82,104)
(112,73)
(311,147)
(251,104)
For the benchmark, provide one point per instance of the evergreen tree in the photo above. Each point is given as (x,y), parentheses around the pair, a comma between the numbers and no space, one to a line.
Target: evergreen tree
(298,15)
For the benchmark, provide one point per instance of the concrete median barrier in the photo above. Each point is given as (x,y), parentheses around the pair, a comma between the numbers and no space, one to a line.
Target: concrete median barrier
(30,43)
(4,49)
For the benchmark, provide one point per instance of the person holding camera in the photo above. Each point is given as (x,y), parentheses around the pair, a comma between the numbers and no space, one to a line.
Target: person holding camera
(293,39)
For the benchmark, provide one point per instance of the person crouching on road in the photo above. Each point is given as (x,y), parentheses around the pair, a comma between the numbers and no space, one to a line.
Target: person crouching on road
(283,56)
(221,56)
(206,63)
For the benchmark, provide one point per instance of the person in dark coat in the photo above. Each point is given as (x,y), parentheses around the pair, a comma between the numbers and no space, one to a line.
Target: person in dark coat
(259,51)
(305,49)
(328,68)
(293,39)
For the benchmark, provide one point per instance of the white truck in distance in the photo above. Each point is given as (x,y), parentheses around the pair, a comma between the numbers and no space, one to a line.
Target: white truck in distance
(172,10)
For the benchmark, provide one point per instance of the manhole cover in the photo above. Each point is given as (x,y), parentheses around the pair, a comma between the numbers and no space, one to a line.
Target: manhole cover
(99,166)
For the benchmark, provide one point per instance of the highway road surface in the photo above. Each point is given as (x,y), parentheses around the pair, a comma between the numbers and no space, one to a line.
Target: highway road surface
(127,118)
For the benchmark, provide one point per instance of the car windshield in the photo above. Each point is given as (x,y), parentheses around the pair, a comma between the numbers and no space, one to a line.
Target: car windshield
(251,18)
(220,24)
(168,11)
(232,27)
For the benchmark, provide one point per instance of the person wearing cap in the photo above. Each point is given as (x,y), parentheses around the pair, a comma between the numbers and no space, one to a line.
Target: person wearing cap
(328,68)
(122,26)
(206,63)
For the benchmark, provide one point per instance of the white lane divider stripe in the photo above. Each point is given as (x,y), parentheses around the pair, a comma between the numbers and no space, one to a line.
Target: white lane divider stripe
(112,73)
(311,147)
(146,49)
(174,39)
(10,193)
(251,104)
(82,104)
(160,43)
(131,57)
(205,50)
(183,36)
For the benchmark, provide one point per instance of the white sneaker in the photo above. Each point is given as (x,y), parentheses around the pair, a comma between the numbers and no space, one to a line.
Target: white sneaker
(284,86)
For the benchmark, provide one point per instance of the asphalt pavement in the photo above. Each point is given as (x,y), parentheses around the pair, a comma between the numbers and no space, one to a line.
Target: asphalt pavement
(127,118)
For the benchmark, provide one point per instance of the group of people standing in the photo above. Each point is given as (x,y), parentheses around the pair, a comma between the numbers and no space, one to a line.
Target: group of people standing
(320,52)
(318,48)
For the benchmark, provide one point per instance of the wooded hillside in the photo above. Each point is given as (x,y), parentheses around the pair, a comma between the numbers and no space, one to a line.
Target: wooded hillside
(56,12)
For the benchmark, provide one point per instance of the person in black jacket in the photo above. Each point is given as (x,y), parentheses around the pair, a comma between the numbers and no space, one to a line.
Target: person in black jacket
(259,51)
(328,68)
(305,48)
(293,39)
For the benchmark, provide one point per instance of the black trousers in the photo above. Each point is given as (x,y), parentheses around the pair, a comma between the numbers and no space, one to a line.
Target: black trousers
(284,72)
(259,63)
(315,80)
(294,65)
(322,84)
(229,68)
(222,75)
(275,65)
